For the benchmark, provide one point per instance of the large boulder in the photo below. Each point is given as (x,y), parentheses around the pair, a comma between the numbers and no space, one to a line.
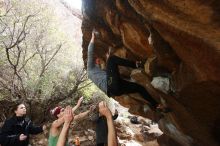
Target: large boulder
(185,48)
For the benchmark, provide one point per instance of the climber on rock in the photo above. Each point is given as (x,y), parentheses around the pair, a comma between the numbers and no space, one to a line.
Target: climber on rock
(109,80)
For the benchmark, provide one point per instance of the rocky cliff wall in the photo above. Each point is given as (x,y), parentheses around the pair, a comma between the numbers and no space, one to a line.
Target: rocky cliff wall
(185,48)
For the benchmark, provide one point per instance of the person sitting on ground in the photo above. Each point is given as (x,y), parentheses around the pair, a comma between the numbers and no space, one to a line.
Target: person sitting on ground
(112,137)
(109,80)
(58,112)
(16,130)
(101,127)
(68,116)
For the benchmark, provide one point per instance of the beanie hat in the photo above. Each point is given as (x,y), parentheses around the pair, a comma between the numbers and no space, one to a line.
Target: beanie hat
(54,112)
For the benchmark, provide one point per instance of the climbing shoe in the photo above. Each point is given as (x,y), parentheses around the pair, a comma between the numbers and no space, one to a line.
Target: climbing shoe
(134,120)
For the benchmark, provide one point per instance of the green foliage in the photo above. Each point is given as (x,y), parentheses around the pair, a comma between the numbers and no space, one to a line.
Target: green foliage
(45,63)
(88,91)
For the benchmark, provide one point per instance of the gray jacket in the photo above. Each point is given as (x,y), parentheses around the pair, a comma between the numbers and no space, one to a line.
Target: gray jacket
(95,73)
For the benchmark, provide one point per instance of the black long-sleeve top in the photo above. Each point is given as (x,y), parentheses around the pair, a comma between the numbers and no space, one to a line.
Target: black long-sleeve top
(102,129)
(14,127)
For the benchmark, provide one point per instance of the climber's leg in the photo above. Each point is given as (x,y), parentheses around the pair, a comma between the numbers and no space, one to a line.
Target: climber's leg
(100,144)
(130,87)
(113,75)
(118,61)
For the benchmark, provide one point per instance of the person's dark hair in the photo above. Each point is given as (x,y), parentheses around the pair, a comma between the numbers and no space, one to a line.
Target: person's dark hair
(15,107)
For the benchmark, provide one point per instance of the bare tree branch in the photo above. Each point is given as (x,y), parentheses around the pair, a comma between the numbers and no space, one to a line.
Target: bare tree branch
(3,27)
(18,57)
(83,75)
(14,66)
(7,10)
(44,64)
(85,85)
(55,53)
(22,34)
(13,32)
(4,83)
(26,61)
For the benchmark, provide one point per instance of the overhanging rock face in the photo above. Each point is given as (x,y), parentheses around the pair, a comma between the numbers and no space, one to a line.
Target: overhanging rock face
(185,48)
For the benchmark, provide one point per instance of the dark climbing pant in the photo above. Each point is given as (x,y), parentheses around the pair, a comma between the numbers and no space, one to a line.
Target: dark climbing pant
(118,86)
(100,144)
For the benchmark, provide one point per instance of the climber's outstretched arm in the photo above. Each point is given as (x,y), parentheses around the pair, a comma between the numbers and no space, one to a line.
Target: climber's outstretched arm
(78,104)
